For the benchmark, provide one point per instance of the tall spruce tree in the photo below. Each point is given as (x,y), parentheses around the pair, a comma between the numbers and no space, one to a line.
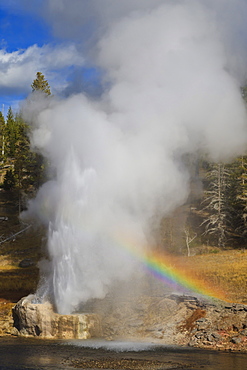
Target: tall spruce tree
(2,128)
(37,164)
(28,164)
(41,84)
(10,135)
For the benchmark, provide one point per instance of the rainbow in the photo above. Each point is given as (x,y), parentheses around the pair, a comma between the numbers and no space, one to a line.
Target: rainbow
(161,267)
(164,268)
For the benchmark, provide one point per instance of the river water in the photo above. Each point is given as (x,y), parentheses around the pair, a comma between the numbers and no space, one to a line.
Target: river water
(21,353)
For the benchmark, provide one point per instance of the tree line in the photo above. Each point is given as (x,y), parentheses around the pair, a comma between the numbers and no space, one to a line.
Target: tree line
(23,169)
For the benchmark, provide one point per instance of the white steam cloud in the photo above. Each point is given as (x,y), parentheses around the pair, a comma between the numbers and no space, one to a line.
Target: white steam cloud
(118,161)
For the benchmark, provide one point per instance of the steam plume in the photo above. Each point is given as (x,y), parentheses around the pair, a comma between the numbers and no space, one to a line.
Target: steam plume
(171,90)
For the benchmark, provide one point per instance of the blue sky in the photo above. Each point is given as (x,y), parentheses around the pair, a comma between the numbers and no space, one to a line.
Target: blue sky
(19,30)
(58,38)
(55,37)
(42,35)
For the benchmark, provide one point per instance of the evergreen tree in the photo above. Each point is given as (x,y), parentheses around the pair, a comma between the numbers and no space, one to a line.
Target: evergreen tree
(40,84)
(2,128)
(9,180)
(10,134)
(28,166)
(22,150)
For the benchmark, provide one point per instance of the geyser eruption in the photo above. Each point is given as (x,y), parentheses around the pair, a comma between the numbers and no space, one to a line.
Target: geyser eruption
(171,90)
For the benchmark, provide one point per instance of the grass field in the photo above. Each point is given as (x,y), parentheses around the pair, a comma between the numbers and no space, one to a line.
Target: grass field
(225,272)
(14,280)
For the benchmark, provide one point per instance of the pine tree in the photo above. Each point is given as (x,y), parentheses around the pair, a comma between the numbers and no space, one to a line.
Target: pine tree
(40,84)
(22,149)
(2,128)
(9,180)
(10,132)
(28,166)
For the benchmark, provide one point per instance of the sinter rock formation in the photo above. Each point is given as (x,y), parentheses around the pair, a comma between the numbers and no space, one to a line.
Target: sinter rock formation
(171,319)
(39,320)
(175,319)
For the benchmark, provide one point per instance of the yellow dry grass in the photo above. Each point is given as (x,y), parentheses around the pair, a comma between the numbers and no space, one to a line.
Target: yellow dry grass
(225,271)
(17,280)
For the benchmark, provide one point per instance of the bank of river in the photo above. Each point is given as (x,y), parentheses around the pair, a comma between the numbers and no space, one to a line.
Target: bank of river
(21,353)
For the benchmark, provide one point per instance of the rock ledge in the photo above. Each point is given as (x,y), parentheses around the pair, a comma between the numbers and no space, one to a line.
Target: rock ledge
(33,319)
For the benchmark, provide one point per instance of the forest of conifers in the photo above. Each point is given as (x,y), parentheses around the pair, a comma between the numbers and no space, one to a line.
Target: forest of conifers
(218,213)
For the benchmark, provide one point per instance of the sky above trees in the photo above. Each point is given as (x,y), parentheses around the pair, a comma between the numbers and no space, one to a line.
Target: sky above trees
(59,38)
(29,44)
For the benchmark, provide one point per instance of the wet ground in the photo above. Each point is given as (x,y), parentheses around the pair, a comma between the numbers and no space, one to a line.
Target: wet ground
(20,354)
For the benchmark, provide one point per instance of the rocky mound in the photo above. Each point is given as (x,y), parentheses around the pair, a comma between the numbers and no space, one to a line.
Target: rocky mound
(35,319)
(178,319)
(220,326)
(171,319)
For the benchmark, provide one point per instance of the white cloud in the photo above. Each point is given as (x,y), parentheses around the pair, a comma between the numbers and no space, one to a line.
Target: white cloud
(18,68)
(86,20)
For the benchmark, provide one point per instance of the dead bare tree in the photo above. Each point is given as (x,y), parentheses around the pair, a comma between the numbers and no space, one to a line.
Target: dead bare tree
(189,239)
(216,204)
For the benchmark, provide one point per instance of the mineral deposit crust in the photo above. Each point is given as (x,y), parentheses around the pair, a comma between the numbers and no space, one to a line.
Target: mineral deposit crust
(40,320)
